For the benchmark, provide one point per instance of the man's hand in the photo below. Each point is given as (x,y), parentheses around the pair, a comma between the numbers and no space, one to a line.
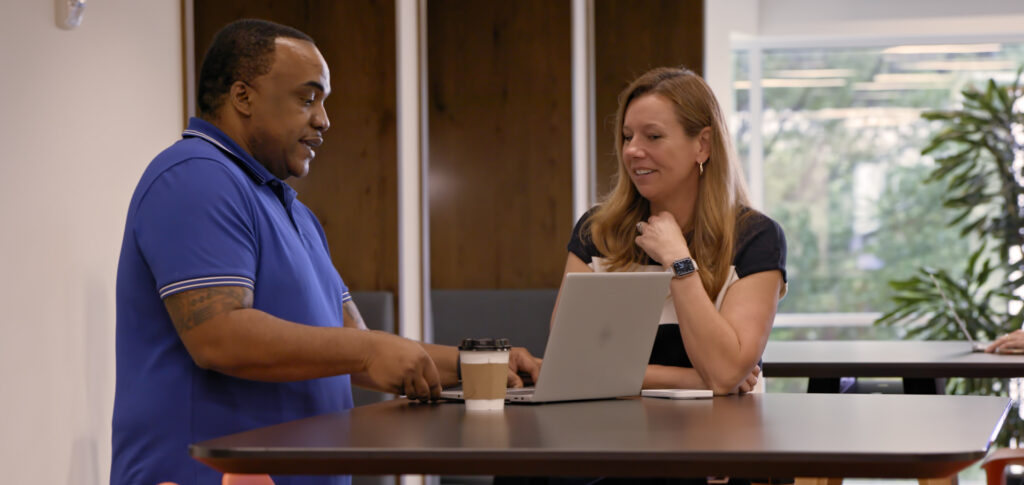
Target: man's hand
(520,361)
(401,366)
(750,382)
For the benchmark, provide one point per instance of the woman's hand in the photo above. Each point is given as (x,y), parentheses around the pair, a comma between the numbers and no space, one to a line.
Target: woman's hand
(750,382)
(662,239)
(522,364)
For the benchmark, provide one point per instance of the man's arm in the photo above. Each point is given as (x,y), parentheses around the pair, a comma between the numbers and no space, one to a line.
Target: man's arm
(222,332)
(354,320)
(445,357)
(521,364)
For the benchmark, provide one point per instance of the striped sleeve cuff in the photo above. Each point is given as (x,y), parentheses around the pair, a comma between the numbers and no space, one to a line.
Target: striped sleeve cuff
(209,281)
(346,297)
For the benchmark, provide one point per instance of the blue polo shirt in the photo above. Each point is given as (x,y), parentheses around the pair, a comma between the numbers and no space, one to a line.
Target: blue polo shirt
(206,214)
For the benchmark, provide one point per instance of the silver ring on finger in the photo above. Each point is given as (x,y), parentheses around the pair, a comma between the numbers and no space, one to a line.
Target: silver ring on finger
(640,227)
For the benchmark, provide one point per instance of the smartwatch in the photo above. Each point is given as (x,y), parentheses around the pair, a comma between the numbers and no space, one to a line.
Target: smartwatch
(683,267)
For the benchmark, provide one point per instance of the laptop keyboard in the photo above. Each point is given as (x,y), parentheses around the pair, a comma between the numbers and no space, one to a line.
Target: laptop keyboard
(519,391)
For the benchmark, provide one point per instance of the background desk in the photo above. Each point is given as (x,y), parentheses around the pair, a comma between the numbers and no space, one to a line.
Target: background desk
(889,436)
(919,363)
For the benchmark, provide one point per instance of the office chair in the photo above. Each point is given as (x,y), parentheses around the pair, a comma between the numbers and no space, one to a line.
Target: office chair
(995,464)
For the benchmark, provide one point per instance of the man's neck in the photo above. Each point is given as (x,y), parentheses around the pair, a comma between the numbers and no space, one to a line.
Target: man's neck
(232,127)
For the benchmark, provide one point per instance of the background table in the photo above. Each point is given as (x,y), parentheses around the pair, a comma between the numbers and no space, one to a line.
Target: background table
(919,363)
(889,436)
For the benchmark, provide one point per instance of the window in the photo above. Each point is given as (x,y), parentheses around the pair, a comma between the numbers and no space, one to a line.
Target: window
(831,139)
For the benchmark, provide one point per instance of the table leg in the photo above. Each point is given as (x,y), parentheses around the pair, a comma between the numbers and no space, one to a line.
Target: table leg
(924,386)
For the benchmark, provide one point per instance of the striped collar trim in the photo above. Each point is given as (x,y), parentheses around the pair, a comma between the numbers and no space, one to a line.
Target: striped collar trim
(193,283)
(209,139)
(205,130)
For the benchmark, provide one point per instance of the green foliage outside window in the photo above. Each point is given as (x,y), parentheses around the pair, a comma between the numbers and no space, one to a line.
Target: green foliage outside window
(981,169)
(844,174)
(843,169)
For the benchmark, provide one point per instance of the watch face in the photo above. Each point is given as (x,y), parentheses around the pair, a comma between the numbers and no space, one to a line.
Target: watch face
(683,267)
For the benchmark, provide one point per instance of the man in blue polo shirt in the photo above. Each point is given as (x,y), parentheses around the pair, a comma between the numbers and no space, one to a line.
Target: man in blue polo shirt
(230,315)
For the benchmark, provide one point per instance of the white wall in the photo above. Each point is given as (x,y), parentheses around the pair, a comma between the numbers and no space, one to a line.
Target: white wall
(81,113)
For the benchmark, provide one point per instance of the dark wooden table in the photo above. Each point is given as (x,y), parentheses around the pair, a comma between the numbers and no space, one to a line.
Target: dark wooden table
(781,435)
(923,365)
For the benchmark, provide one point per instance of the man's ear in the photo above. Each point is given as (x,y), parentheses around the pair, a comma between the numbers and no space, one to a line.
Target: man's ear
(241,97)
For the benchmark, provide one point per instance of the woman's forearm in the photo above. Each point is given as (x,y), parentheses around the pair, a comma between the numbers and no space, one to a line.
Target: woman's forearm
(671,377)
(724,346)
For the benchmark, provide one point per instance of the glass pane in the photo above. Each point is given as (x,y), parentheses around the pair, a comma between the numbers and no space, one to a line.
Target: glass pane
(843,172)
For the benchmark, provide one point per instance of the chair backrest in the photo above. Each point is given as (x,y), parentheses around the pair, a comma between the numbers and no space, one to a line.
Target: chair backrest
(522,316)
(378,311)
(995,464)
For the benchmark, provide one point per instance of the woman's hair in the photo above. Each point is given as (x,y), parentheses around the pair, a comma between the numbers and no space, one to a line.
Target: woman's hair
(721,191)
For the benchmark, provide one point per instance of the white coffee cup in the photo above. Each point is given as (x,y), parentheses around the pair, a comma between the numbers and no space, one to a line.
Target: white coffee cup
(484,367)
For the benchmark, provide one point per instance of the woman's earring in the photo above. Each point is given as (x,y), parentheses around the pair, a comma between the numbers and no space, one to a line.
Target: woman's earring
(701,166)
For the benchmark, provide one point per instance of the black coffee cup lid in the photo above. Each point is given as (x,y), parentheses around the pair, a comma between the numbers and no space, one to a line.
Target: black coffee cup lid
(485,344)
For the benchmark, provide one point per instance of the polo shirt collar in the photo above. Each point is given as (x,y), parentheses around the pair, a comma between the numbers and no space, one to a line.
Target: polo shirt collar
(200,128)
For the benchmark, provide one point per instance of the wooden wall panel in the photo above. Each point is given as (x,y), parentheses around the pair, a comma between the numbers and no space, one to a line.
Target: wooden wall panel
(352,183)
(630,37)
(500,142)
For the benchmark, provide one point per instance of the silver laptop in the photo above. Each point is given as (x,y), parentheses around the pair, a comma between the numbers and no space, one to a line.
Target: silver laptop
(601,339)
(975,345)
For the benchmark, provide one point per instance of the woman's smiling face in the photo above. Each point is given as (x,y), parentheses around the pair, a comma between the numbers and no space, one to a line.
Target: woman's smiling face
(659,156)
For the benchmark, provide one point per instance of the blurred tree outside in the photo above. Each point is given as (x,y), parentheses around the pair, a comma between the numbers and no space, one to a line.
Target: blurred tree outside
(843,173)
(842,134)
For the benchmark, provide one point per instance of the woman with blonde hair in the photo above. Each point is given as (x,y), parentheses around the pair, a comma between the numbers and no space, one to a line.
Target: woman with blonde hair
(680,204)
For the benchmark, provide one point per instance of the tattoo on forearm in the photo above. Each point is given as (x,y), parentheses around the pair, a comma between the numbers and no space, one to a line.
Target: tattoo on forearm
(192,308)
